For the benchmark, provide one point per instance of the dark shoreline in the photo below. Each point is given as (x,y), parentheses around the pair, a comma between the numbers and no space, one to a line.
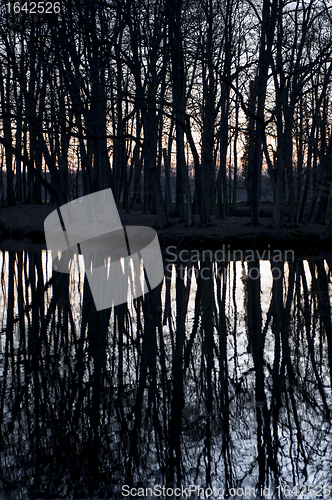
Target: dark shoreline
(22,226)
(301,244)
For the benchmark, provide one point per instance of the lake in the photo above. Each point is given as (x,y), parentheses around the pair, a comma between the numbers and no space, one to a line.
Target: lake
(217,383)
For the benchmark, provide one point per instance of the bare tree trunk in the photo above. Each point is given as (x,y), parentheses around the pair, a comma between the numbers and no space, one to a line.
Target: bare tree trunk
(178,81)
(198,177)
(267,35)
(168,198)
(235,171)
(325,185)
(224,107)
(5,100)
(208,117)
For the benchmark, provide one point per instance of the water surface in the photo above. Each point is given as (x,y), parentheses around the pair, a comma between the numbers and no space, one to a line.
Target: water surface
(219,378)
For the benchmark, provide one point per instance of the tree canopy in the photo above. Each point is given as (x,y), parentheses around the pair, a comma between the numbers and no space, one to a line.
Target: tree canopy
(135,94)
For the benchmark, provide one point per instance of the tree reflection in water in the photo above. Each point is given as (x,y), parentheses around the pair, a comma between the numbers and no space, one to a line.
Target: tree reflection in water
(204,381)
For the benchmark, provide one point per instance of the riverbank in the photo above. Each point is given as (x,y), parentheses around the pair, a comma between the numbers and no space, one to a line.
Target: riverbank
(25,224)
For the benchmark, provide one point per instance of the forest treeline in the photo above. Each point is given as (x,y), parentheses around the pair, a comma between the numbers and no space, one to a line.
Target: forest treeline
(128,94)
